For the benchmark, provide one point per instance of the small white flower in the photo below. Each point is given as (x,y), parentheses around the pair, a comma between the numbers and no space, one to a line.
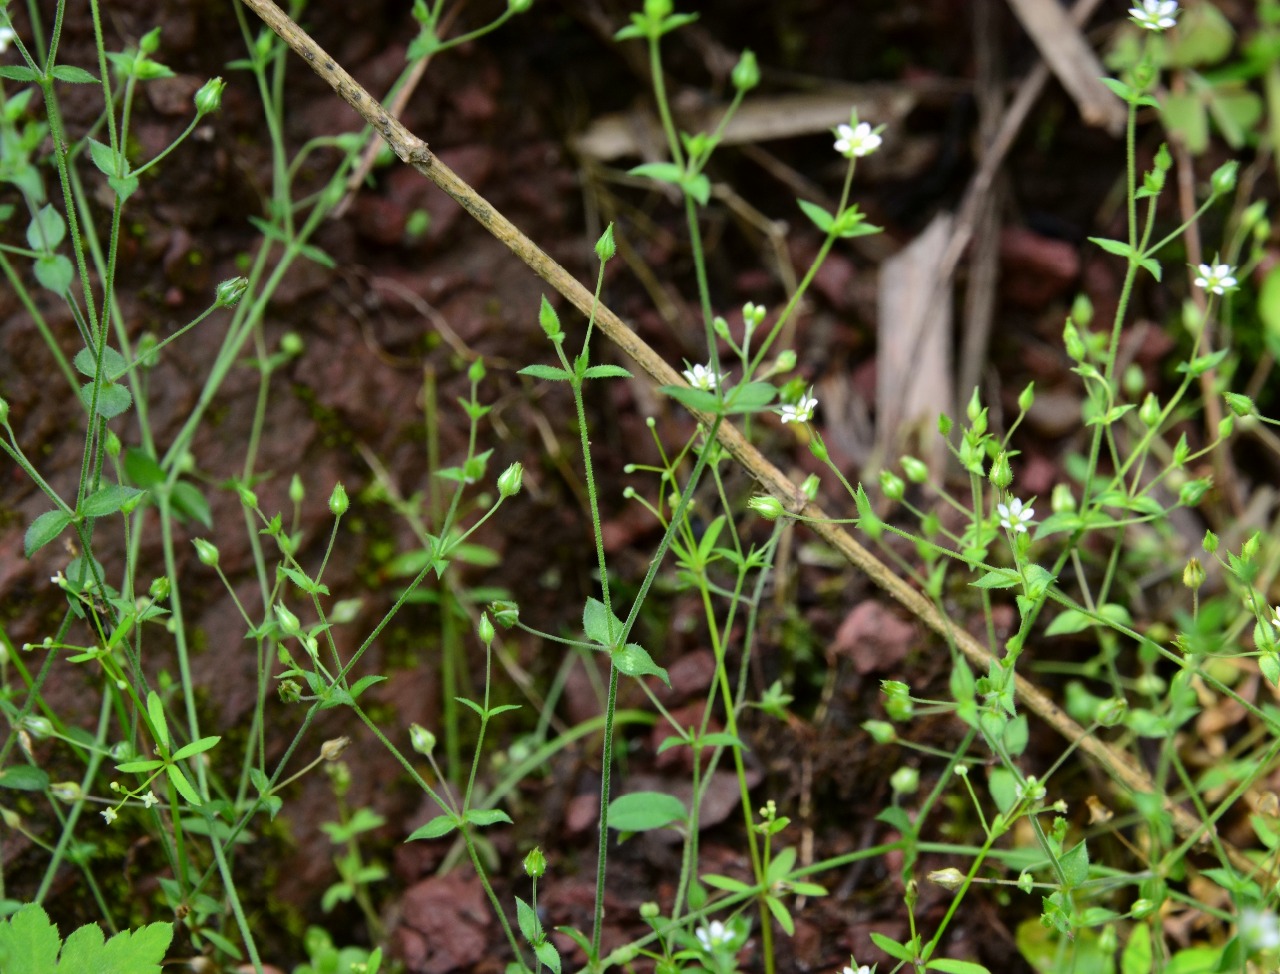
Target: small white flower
(1155,14)
(1218,278)
(1259,929)
(701,377)
(1275,617)
(7,34)
(801,411)
(856,142)
(59,580)
(149,800)
(1014,517)
(714,935)
(110,815)
(861,969)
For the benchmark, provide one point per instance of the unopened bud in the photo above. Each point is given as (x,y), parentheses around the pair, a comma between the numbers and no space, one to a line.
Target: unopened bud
(423,741)
(332,749)
(916,470)
(66,791)
(206,551)
(1149,411)
(746,73)
(511,480)
(37,726)
(1001,475)
(892,485)
(606,247)
(769,508)
(288,621)
(476,372)
(506,613)
(291,344)
(1223,180)
(230,291)
(4,411)
(949,879)
(1239,404)
(484,629)
(881,731)
(535,863)
(296,490)
(1193,574)
(338,501)
(786,361)
(209,98)
(905,781)
(519,6)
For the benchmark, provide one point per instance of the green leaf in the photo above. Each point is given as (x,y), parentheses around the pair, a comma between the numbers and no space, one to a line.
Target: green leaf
(1000,578)
(698,399)
(663,172)
(948,966)
(46,230)
(29,942)
(750,397)
(892,947)
(527,920)
(44,529)
(781,914)
(185,788)
(1004,788)
(189,503)
(139,767)
(1069,621)
(73,75)
(195,747)
(1202,364)
(159,725)
(54,272)
(108,500)
(1137,957)
(363,684)
(18,72)
(113,363)
(549,955)
(108,161)
(487,816)
(113,399)
(598,624)
(699,187)
(438,827)
(548,372)
(142,468)
(633,660)
(1075,865)
(727,883)
(823,220)
(606,372)
(645,810)
(24,777)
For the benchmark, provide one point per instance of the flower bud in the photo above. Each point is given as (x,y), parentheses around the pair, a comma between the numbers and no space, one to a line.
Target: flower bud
(1223,180)
(657,9)
(37,726)
(650,911)
(1142,908)
(1239,404)
(288,621)
(905,781)
(230,291)
(881,731)
(1071,340)
(159,589)
(1133,381)
(4,411)
(291,344)
(768,507)
(785,362)
(506,613)
(1111,711)
(476,372)
(332,749)
(549,320)
(891,485)
(1193,574)
(746,73)
(296,491)
(209,98)
(484,629)
(1027,398)
(721,328)
(950,879)
(289,691)
(606,246)
(944,425)
(111,444)
(1210,543)
(66,791)
(519,6)
(917,471)
(511,480)
(423,741)
(338,501)
(206,551)
(1149,411)
(810,486)
(1001,475)
(535,863)
(1193,491)
(1249,550)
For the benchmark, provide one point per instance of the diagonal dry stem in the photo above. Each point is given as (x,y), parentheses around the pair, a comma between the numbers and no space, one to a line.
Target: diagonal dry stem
(1122,769)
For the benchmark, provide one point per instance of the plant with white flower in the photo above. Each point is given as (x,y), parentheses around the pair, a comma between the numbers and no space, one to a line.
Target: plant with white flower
(1014,517)
(860,969)
(857,139)
(1275,617)
(7,36)
(1155,15)
(109,815)
(713,936)
(702,377)
(149,800)
(800,411)
(1216,278)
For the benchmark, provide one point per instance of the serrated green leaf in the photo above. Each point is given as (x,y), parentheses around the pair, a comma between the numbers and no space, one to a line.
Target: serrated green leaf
(606,372)
(549,955)
(29,942)
(44,529)
(1000,578)
(142,468)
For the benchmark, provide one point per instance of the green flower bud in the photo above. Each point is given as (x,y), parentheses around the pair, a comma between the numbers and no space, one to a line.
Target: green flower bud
(289,691)
(899,708)
(1133,381)
(606,247)
(785,362)
(1239,404)
(1193,491)
(1071,340)
(1223,180)
(66,791)
(230,291)
(905,781)
(817,447)
(720,327)
(4,411)
(423,741)
(1027,398)
(657,9)
(511,480)
(535,863)
(881,731)
(944,425)
(1149,411)
(1001,475)
(1026,882)
(753,314)
(288,621)
(296,491)
(1226,426)
(1249,550)
(338,501)
(291,344)
(1111,711)
(1210,543)
(506,613)
(476,372)
(206,551)
(746,73)
(1142,908)
(810,486)
(974,408)
(484,629)
(916,470)
(159,589)
(768,507)
(892,485)
(519,6)
(550,321)
(332,749)
(37,726)
(209,97)
(111,443)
